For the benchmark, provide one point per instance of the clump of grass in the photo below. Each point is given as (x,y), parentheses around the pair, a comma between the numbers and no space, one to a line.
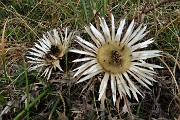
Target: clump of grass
(61,98)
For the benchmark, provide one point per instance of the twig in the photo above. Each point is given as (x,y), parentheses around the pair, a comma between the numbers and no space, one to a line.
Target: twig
(126,103)
(157,5)
(103,106)
(2,49)
(64,105)
(171,74)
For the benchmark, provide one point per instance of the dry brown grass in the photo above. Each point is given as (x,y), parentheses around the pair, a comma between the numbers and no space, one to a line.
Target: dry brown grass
(29,19)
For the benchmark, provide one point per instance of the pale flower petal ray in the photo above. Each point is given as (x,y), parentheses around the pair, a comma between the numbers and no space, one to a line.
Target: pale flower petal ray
(103,85)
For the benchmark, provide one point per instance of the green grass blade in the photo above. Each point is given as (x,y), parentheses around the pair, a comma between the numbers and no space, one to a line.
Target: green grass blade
(92,4)
(61,8)
(31,104)
(54,108)
(119,6)
(27,90)
(104,7)
(84,9)
(80,21)
(138,109)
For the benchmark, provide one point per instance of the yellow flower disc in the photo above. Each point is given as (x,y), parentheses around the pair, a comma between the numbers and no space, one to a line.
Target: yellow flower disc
(114,57)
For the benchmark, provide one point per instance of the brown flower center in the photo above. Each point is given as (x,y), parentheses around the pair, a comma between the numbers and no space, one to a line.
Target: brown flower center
(114,57)
(54,50)
(54,54)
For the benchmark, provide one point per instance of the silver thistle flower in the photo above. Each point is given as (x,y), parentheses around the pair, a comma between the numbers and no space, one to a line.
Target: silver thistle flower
(46,54)
(117,57)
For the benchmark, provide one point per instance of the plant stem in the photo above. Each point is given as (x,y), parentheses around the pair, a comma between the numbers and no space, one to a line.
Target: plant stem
(27,90)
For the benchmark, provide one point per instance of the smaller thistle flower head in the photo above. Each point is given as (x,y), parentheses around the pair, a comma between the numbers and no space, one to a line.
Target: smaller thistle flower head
(118,57)
(48,51)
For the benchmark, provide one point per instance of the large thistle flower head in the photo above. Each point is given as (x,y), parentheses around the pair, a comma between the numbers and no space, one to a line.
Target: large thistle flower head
(48,51)
(117,55)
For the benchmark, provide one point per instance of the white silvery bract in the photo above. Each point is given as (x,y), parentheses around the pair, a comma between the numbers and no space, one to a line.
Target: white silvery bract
(116,54)
(48,51)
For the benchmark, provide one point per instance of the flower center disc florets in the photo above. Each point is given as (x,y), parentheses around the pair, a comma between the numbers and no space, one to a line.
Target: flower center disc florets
(53,55)
(54,50)
(114,57)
